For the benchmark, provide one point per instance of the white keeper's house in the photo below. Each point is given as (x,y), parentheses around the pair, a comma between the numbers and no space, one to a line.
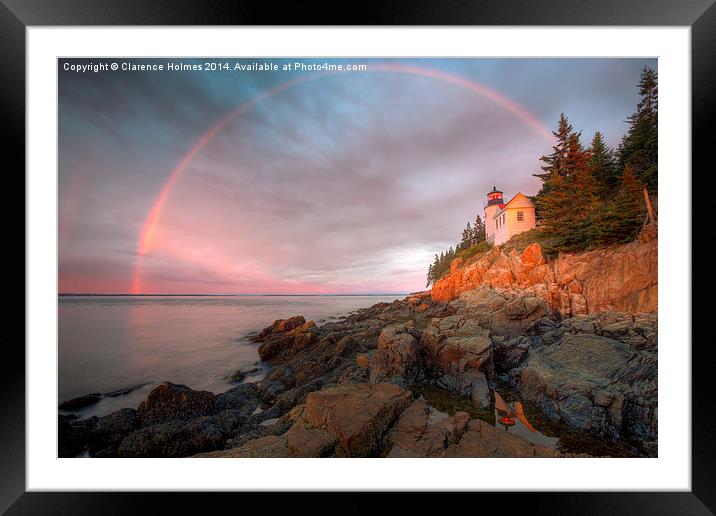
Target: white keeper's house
(504,220)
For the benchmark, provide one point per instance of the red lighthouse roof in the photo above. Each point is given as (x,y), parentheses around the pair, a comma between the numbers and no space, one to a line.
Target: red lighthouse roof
(494,190)
(494,197)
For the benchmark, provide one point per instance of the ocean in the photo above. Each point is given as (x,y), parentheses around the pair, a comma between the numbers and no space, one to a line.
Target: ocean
(111,344)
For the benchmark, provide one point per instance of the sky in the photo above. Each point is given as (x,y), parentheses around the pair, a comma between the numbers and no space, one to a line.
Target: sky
(233,181)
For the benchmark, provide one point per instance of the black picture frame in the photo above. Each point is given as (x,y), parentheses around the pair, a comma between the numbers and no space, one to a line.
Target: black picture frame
(17,15)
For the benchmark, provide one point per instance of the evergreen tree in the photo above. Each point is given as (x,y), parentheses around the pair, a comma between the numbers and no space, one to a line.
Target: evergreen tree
(604,166)
(553,164)
(571,198)
(639,147)
(466,240)
(621,219)
(478,230)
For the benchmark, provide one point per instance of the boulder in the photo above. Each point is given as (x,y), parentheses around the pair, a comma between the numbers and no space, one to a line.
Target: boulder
(594,383)
(509,353)
(423,431)
(270,446)
(298,441)
(269,390)
(232,422)
(508,313)
(177,438)
(453,347)
(292,397)
(346,346)
(114,427)
(169,401)
(481,440)
(81,401)
(638,330)
(281,326)
(243,397)
(355,374)
(305,441)
(347,420)
(309,370)
(397,357)
(74,434)
(284,374)
(356,414)
(286,342)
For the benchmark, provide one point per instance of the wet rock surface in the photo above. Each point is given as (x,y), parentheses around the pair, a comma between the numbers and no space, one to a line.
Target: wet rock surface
(598,374)
(81,401)
(398,355)
(170,401)
(353,387)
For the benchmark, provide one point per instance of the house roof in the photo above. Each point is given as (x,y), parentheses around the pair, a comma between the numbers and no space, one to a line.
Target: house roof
(506,206)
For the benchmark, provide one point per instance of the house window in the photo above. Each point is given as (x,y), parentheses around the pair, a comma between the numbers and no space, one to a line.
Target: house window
(520,216)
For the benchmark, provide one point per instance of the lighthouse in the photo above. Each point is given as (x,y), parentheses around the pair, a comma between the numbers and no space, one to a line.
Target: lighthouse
(494,203)
(503,220)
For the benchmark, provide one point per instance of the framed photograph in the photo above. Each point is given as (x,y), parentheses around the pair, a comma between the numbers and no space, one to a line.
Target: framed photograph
(424,252)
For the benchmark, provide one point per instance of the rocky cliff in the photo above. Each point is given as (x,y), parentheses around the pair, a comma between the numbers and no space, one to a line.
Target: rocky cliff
(619,278)
(412,378)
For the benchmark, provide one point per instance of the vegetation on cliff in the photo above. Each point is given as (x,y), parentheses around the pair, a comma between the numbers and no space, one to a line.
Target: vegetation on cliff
(593,196)
(472,243)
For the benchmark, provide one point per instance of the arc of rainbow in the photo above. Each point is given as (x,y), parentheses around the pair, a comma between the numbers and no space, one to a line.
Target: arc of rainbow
(152,220)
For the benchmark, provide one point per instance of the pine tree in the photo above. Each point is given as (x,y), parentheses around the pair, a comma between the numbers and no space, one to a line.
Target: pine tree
(478,231)
(570,199)
(639,147)
(621,218)
(604,166)
(553,164)
(441,267)
(465,242)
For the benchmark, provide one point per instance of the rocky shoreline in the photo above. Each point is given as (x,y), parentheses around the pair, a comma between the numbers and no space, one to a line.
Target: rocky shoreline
(354,388)
(621,278)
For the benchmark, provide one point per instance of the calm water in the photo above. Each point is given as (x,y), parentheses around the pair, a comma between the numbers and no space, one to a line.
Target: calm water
(110,343)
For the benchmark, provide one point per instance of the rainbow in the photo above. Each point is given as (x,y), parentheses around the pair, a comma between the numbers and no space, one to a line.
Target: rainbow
(152,221)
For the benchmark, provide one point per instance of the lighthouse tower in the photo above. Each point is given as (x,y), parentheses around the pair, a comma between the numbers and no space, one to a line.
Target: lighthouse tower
(495,202)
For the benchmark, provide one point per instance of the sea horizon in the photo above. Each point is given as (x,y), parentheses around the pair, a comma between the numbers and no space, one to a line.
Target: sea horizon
(118,342)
